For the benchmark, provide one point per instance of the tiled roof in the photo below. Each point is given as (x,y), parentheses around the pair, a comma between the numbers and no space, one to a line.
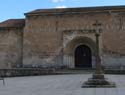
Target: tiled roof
(12,23)
(75,10)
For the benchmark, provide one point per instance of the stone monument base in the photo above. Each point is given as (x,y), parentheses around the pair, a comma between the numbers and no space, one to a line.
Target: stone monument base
(98,80)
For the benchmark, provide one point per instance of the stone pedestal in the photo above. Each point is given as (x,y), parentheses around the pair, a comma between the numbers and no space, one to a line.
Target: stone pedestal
(98,80)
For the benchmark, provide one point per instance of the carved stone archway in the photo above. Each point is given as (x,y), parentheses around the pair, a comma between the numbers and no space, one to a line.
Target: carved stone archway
(69,50)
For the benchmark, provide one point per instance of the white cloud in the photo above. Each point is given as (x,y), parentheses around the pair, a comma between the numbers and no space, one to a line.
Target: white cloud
(61,6)
(56,1)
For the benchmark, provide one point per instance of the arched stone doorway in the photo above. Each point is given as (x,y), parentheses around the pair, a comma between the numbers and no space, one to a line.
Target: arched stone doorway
(87,43)
(83,57)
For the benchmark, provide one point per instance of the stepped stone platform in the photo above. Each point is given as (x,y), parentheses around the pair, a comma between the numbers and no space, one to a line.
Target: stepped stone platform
(98,80)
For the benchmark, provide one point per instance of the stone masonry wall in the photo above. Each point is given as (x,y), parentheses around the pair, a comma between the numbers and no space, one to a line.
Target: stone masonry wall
(43,36)
(42,42)
(10,48)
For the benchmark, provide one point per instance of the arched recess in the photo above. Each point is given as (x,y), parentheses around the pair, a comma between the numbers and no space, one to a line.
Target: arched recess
(69,50)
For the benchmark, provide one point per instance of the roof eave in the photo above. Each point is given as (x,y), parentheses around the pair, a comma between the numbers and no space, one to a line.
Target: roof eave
(78,10)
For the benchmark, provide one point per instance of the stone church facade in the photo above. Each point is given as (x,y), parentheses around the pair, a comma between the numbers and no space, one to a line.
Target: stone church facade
(64,38)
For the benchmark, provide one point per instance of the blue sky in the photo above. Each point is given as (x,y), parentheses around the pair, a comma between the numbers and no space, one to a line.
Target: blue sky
(17,8)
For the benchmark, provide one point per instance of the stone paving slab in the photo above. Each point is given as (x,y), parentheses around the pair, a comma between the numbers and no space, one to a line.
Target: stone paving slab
(59,85)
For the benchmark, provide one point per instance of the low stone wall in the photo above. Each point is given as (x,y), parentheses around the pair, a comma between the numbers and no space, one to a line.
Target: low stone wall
(114,71)
(113,62)
(25,72)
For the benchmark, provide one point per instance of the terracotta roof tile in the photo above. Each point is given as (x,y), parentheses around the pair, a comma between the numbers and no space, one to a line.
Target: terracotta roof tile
(12,23)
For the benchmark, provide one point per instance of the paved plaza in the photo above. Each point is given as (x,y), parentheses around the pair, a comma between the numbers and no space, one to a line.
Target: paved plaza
(59,85)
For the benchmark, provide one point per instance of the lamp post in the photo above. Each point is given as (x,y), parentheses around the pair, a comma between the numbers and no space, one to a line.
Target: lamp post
(98,79)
